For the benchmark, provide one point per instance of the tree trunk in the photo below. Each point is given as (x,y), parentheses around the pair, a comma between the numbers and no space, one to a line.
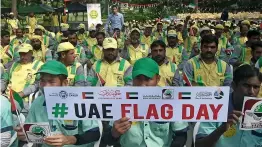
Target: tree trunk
(14,8)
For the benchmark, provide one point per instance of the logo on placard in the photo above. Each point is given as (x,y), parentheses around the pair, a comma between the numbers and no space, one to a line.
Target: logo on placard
(219,94)
(184,95)
(109,94)
(93,14)
(87,95)
(38,130)
(63,94)
(132,95)
(168,94)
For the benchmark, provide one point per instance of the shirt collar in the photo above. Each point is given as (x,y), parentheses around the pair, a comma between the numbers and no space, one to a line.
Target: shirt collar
(118,58)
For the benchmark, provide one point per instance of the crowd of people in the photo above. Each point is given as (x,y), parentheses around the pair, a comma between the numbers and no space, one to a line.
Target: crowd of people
(151,53)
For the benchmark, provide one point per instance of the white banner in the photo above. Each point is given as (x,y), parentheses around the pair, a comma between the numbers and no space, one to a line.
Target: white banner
(93,14)
(252,110)
(191,104)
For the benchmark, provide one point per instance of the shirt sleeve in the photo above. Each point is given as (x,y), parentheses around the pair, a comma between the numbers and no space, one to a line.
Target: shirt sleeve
(179,126)
(228,76)
(188,70)
(48,55)
(91,78)
(122,21)
(4,79)
(88,125)
(128,76)
(107,22)
(206,128)
(236,55)
(80,77)
(177,80)
(6,115)
(83,56)
(184,59)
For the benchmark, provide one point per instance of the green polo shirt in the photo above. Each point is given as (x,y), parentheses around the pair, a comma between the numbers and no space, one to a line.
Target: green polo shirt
(232,138)
(152,134)
(38,113)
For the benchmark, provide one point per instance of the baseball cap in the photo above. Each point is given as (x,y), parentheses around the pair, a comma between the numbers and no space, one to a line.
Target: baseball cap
(65,46)
(135,29)
(145,66)
(40,27)
(53,67)
(64,26)
(24,48)
(205,28)
(219,26)
(171,33)
(81,26)
(245,22)
(109,43)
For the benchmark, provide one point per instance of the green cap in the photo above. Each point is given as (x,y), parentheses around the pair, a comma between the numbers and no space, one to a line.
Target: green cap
(145,66)
(53,67)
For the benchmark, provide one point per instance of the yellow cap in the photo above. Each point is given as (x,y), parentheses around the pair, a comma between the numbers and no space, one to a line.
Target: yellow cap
(219,26)
(65,46)
(40,27)
(36,37)
(245,22)
(180,23)
(109,43)
(81,26)
(228,24)
(24,48)
(28,27)
(171,33)
(148,26)
(135,29)
(64,26)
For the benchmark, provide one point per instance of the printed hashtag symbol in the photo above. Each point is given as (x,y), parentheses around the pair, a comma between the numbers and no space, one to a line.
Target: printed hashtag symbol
(60,110)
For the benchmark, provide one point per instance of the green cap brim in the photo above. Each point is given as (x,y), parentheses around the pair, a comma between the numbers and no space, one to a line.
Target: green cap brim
(50,72)
(143,72)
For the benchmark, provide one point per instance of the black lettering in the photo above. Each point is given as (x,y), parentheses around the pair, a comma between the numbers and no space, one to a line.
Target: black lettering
(83,107)
(93,111)
(105,111)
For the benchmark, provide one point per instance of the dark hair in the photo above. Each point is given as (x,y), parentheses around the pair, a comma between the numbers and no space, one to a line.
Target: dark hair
(241,25)
(244,72)
(59,54)
(72,33)
(252,33)
(98,25)
(101,33)
(4,33)
(256,44)
(114,6)
(116,29)
(158,43)
(209,39)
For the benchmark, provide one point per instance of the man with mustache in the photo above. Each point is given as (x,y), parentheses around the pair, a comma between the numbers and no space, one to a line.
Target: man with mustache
(134,50)
(167,69)
(40,52)
(111,70)
(206,69)
(175,53)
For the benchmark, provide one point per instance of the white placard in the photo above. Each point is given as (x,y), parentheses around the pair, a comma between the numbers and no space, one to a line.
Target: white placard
(93,14)
(190,104)
(252,110)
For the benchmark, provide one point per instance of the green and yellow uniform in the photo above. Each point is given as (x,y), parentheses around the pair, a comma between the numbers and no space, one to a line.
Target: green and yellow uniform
(147,40)
(132,54)
(167,71)
(217,73)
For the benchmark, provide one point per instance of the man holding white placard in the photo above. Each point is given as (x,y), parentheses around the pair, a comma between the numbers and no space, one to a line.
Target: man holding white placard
(65,132)
(141,134)
(246,82)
